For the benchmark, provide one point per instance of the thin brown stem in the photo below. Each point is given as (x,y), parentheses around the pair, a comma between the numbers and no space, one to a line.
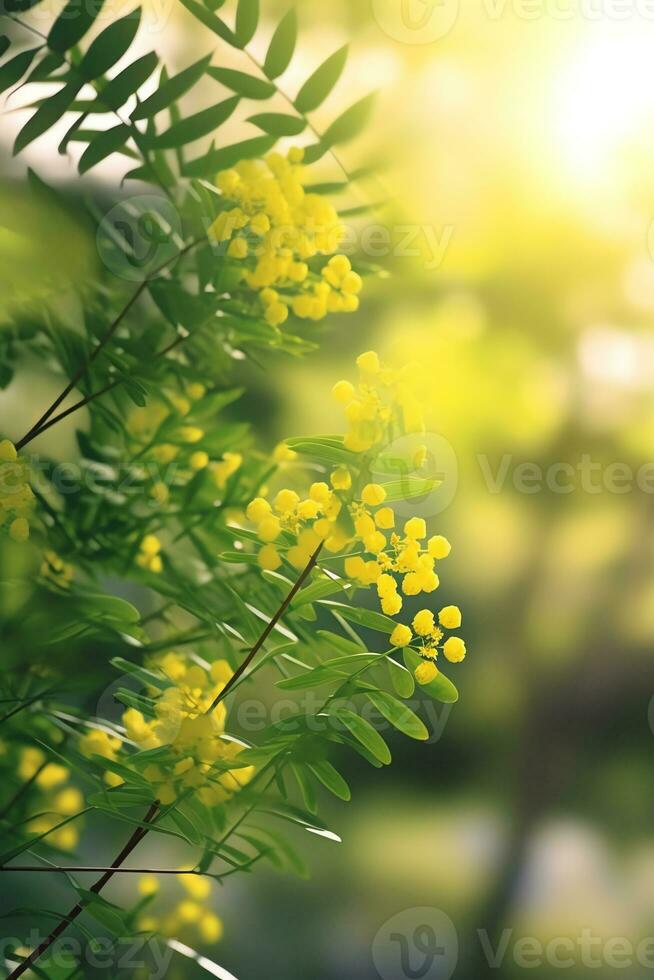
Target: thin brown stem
(102,391)
(268,630)
(55,869)
(40,425)
(136,837)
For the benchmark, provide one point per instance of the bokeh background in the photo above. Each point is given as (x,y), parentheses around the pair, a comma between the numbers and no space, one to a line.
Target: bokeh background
(516,144)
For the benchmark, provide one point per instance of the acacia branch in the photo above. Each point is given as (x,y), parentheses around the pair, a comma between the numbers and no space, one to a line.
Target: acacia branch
(40,425)
(136,837)
(140,832)
(268,630)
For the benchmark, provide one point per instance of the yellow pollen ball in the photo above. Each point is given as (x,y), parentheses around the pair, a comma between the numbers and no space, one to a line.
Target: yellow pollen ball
(426,672)
(438,546)
(454,649)
(450,617)
(401,636)
(415,528)
(369,362)
(423,622)
(343,392)
(257,509)
(341,478)
(199,460)
(269,528)
(268,558)
(385,518)
(373,494)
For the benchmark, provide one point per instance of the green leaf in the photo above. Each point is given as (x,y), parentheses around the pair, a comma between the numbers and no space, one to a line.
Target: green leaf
(323,450)
(214,160)
(103,146)
(108,607)
(401,717)
(316,89)
(281,46)
(341,642)
(47,115)
(197,125)
(14,69)
(408,488)
(278,123)
(319,589)
(128,81)
(17,6)
(171,90)
(362,617)
(210,20)
(110,46)
(440,689)
(247,18)
(331,779)
(364,732)
(401,678)
(103,911)
(73,22)
(350,123)
(245,85)
(5,44)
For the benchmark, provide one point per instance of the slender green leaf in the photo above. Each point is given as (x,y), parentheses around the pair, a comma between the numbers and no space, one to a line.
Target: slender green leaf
(73,22)
(47,115)
(316,89)
(365,733)
(247,18)
(197,125)
(401,678)
(172,89)
(362,617)
(14,69)
(128,81)
(281,46)
(330,778)
(110,46)
(208,164)
(350,123)
(401,717)
(5,44)
(278,123)
(103,146)
(245,85)
(210,20)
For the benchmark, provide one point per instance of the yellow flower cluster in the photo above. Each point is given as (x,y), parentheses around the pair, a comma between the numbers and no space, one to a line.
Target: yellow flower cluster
(54,569)
(275,227)
(195,734)
(148,555)
(98,742)
(190,914)
(352,513)
(311,520)
(60,801)
(164,433)
(382,399)
(16,496)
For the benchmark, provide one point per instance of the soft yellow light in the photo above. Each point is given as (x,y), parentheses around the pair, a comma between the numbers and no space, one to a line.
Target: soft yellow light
(604,100)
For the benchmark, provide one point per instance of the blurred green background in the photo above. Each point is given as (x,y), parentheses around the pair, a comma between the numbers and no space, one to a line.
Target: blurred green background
(518,144)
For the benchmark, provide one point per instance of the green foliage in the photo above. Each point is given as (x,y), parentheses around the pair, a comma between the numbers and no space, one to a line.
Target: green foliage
(150,348)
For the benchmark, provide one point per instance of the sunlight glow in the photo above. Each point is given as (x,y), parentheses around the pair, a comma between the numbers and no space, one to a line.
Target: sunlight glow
(604,99)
